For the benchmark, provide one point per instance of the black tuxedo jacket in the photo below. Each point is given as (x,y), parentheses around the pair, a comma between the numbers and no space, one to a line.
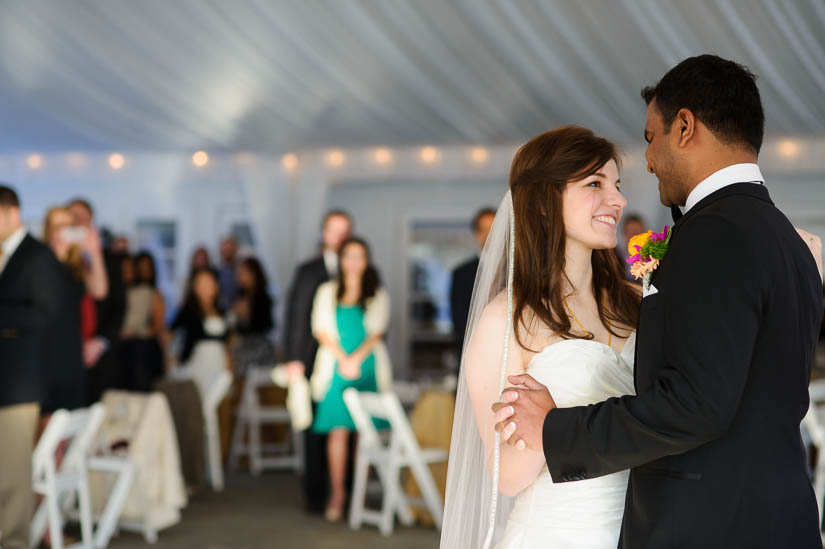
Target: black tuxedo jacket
(29,302)
(461,294)
(723,360)
(298,339)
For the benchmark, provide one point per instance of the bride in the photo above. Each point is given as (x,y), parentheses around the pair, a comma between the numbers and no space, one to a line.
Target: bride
(551,299)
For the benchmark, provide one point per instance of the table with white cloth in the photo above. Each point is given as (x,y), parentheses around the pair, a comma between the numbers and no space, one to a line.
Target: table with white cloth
(140,426)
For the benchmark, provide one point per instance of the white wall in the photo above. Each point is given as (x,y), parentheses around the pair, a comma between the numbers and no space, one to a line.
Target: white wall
(286,205)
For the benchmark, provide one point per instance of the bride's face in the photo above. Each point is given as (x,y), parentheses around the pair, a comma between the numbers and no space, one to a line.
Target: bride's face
(592,208)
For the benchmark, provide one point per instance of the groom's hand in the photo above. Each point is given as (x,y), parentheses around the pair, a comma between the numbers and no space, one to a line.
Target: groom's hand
(521,412)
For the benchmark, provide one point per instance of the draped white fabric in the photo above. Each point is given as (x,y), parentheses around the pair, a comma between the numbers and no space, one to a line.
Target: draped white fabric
(275,75)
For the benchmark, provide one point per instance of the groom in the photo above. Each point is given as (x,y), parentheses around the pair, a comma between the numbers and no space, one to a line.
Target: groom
(724,350)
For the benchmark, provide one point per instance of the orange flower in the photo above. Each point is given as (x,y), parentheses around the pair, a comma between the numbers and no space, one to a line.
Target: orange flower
(639,240)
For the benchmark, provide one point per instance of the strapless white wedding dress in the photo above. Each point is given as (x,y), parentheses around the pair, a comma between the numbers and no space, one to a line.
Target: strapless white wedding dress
(585,514)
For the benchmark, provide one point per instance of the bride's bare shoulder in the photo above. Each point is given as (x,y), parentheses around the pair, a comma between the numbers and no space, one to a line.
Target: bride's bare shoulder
(495,312)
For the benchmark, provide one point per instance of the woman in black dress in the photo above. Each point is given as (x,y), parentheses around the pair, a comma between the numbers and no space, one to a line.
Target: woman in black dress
(80,254)
(252,318)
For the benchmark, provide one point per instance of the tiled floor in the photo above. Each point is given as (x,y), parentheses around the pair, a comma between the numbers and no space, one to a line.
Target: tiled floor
(265,512)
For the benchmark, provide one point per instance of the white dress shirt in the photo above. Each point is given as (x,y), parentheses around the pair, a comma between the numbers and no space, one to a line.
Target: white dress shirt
(331,263)
(9,246)
(736,173)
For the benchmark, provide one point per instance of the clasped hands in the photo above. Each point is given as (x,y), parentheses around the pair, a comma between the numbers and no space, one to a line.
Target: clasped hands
(520,413)
(349,366)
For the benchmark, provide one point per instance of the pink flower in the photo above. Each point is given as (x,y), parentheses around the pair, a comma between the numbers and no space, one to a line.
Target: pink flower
(659,237)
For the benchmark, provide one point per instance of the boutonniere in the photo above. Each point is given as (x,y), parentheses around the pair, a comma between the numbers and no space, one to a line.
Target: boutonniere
(646,251)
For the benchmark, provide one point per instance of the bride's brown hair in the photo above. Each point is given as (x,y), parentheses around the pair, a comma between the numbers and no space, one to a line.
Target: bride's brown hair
(540,172)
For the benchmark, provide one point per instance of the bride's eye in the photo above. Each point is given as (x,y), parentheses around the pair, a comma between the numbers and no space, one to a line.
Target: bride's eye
(596,184)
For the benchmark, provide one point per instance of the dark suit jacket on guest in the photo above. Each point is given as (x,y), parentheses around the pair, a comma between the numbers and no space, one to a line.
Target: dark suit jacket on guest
(112,308)
(298,340)
(29,300)
(461,292)
(723,360)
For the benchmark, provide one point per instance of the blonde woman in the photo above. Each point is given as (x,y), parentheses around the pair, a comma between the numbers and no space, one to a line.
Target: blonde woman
(83,276)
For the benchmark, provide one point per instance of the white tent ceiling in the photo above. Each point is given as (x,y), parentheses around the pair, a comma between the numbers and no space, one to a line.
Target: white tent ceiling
(276,76)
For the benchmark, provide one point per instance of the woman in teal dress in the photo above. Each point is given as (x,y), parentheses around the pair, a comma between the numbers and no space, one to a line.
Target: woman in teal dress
(349,319)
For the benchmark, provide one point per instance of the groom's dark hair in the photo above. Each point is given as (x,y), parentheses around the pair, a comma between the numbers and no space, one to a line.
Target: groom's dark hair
(720,93)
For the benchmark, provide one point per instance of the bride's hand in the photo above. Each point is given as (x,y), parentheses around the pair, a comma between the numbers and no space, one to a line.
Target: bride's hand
(815,245)
(521,412)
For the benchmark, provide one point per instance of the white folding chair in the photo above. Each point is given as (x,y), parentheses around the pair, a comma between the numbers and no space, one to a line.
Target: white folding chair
(63,486)
(251,415)
(214,382)
(215,392)
(401,451)
(122,469)
(813,422)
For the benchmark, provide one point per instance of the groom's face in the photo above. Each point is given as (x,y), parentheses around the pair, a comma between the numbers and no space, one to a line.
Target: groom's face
(661,161)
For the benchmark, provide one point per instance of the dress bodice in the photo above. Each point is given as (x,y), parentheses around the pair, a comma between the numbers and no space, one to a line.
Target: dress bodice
(579,514)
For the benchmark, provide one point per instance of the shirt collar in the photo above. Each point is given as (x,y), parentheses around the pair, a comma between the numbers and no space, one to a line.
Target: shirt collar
(736,173)
(10,245)
(331,262)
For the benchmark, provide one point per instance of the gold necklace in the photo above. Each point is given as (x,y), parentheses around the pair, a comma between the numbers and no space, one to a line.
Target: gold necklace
(609,334)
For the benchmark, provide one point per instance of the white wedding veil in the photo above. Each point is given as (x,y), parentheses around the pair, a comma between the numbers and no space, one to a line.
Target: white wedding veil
(475,512)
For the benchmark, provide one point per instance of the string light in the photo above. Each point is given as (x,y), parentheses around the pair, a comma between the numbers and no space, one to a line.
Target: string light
(479,155)
(116,161)
(335,158)
(382,156)
(200,159)
(429,155)
(290,162)
(34,161)
(789,148)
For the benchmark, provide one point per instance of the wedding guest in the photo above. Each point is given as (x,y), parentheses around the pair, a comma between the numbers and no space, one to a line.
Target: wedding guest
(82,271)
(30,285)
(349,320)
(632,225)
(464,276)
(203,352)
(200,259)
(226,271)
(99,352)
(120,245)
(200,317)
(252,314)
(140,353)
(301,346)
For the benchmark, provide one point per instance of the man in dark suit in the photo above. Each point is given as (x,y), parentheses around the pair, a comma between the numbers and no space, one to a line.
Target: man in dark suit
(464,276)
(29,301)
(724,350)
(301,346)
(99,353)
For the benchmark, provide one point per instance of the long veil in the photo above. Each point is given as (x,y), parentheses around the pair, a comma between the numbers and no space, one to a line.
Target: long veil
(475,513)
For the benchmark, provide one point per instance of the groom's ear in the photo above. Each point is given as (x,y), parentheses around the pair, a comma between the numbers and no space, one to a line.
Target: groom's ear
(684,125)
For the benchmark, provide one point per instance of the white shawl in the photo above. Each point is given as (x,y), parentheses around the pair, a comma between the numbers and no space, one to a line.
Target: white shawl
(324,320)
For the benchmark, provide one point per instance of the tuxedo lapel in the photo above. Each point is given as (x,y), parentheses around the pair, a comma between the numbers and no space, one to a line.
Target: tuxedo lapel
(15,262)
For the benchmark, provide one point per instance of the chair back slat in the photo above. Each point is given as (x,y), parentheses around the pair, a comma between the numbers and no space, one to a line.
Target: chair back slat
(79,427)
(355,402)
